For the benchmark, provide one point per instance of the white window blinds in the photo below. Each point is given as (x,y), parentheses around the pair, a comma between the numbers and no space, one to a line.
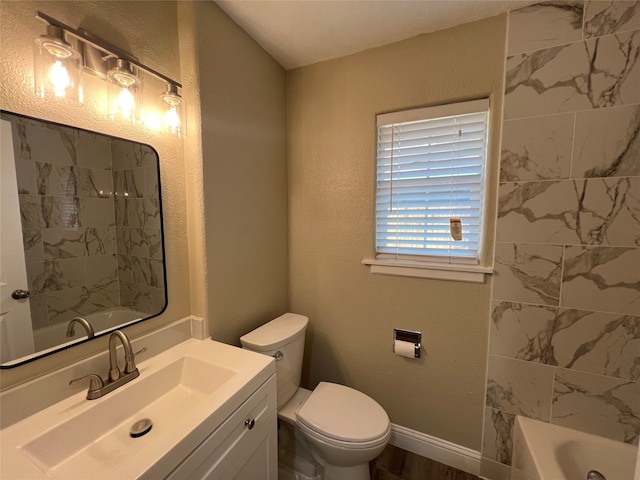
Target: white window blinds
(430,179)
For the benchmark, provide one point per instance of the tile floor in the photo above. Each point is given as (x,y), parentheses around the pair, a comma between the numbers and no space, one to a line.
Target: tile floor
(397,464)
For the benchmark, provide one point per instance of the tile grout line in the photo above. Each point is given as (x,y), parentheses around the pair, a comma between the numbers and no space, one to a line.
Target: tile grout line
(582,39)
(542,305)
(562,262)
(573,146)
(568,369)
(584,20)
(553,387)
(568,112)
(557,180)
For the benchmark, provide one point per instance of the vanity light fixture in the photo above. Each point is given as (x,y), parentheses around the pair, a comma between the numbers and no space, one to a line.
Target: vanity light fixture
(58,69)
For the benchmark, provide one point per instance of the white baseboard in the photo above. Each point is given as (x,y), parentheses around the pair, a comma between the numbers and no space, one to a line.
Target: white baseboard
(434,448)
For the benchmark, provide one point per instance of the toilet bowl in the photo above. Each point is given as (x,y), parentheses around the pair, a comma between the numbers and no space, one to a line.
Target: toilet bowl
(344,428)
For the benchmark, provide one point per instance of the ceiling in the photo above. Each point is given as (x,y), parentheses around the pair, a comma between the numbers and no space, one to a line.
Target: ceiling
(302,32)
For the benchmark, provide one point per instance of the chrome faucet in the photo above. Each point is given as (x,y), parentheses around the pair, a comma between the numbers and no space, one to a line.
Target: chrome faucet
(71,331)
(99,387)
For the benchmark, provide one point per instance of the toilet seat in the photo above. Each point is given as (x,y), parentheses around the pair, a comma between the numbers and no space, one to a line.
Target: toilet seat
(348,445)
(344,417)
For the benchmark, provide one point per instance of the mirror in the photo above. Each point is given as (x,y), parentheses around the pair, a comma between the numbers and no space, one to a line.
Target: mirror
(80,236)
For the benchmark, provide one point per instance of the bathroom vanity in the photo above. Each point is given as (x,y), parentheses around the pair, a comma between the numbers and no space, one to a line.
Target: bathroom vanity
(212,409)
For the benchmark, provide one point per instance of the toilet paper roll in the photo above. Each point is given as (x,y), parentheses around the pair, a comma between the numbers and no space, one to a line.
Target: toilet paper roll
(404,349)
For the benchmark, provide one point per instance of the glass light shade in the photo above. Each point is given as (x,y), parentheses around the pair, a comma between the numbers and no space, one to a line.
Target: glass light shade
(173,107)
(124,93)
(57,73)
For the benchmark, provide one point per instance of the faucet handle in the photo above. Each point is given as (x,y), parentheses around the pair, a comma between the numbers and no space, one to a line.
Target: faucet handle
(130,362)
(96,382)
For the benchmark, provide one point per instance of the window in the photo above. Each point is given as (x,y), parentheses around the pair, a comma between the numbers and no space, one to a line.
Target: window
(430,189)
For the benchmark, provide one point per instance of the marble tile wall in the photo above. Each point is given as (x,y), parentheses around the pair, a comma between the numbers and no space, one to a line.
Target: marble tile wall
(565,320)
(65,188)
(138,227)
(91,220)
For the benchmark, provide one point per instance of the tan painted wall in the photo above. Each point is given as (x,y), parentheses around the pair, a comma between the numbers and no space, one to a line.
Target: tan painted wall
(242,92)
(193,159)
(331,148)
(150,31)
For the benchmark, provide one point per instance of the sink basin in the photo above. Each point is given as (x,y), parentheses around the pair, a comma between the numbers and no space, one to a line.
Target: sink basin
(186,392)
(165,397)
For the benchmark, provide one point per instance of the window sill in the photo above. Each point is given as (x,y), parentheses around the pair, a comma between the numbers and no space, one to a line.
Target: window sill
(439,271)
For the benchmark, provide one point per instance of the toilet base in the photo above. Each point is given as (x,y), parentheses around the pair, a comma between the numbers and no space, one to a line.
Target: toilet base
(295,460)
(355,472)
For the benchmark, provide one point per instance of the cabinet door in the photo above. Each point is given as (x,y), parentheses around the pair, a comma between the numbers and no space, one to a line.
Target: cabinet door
(244,447)
(255,459)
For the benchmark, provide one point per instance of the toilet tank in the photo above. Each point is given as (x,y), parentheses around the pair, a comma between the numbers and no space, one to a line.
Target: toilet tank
(285,334)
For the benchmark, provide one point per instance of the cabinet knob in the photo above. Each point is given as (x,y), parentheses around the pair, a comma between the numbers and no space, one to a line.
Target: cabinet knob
(250,423)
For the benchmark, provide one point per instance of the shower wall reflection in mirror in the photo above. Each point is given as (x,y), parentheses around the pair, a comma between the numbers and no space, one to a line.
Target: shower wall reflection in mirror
(80,236)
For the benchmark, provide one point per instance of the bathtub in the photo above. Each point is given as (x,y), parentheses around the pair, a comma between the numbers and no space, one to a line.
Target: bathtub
(54,336)
(542,451)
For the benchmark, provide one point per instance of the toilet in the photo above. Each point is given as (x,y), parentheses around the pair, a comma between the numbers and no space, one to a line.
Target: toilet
(344,428)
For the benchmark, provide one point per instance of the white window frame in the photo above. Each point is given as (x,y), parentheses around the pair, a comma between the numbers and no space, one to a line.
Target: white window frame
(438,266)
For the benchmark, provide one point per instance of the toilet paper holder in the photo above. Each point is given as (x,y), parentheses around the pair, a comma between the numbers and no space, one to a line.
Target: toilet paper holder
(408,336)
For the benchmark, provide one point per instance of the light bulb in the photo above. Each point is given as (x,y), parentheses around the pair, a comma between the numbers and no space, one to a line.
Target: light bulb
(126,103)
(172,119)
(59,78)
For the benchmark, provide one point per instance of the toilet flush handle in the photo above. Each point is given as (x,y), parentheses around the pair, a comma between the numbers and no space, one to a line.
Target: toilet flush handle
(278,356)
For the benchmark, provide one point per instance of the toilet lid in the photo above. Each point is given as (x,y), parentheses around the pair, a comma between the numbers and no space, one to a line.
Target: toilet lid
(276,333)
(343,413)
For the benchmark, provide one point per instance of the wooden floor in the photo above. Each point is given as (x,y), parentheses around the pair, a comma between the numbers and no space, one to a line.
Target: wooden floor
(397,464)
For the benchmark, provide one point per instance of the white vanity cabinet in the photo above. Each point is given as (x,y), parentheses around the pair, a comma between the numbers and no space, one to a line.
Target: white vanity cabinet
(212,405)
(243,447)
